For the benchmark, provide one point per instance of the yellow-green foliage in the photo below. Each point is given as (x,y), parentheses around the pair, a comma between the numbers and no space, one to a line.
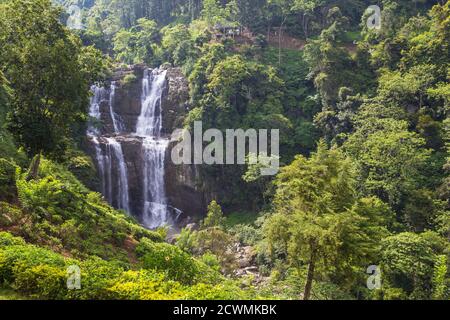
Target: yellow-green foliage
(9,215)
(41,273)
(146,285)
(177,264)
(129,79)
(62,213)
(227,290)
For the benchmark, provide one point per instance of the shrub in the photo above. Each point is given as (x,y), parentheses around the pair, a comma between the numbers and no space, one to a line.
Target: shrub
(129,79)
(41,273)
(227,290)
(7,239)
(211,261)
(246,234)
(27,255)
(145,285)
(97,276)
(185,240)
(207,274)
(163,257)
(9,215)
(218,242)
(84,169)
(41,281)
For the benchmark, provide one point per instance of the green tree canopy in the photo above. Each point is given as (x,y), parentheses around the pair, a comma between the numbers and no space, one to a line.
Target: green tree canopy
(49,72)
(319,220)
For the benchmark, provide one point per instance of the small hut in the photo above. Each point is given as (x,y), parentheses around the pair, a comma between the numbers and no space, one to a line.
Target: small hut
(226,30)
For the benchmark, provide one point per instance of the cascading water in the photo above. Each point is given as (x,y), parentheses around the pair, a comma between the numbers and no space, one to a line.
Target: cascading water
(116,121)
(149,123)
(146,180)
(149,127)
(115,150)
(98,95)
(111,160)
(104,167)
(154,196)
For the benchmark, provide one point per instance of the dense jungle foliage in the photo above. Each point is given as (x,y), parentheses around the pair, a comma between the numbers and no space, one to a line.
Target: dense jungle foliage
(365,140)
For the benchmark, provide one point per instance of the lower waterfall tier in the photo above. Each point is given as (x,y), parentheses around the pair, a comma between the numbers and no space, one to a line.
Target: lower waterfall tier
(132,173)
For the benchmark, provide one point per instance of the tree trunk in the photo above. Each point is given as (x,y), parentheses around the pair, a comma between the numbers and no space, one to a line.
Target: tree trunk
(279,40)
(305,26)
(34,167)
(310,277)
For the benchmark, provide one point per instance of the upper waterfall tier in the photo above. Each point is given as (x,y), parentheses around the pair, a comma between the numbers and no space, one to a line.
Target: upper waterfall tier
(150,120)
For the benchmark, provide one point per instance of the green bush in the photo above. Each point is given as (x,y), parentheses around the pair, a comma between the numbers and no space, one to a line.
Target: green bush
(9,215)
(227,290)
(169,274)
(145,285)
(7,239)
(211,261)
(84,169)
(28,255)
(97,276)
(129,79)
(41,281)
(185,240)
(41,273)
(167,258)
(246,234)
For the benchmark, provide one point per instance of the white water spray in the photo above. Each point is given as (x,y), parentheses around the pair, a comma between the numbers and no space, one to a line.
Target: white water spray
(149,126)
(111,159)
(98,95)
(116,120)
(111,162)
(115,150)
(149,123)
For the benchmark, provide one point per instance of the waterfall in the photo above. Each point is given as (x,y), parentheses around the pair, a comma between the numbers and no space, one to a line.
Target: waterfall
(104,168)
(154,198)
(111,160)
(116,120)
(149,126)
(109,143)
(150,120)
(115,150)
(98,95)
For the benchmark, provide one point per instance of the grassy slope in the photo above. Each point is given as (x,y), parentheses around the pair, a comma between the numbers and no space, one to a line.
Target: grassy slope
(9,294)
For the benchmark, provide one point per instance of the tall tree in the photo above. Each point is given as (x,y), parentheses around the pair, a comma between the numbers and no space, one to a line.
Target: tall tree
(47,68)
(318,219)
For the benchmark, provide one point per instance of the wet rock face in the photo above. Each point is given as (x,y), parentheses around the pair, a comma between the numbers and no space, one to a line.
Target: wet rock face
(183,182)
(175,101)
(132,147)
(185,190)
(127,100)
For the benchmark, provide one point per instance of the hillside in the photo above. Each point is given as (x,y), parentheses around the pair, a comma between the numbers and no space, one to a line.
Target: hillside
(95,206)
